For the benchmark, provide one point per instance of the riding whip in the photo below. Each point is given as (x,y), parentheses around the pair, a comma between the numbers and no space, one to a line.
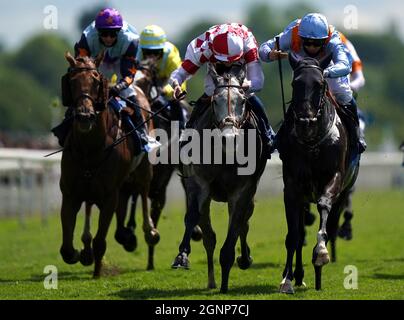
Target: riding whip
(281,76)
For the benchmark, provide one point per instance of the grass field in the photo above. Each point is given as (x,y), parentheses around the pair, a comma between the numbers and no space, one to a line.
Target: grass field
(376,250)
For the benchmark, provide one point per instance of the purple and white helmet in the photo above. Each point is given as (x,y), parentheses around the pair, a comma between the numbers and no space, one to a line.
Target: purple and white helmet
(108,18)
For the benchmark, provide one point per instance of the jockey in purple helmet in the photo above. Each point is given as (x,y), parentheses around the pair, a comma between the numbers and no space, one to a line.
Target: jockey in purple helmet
(119,40)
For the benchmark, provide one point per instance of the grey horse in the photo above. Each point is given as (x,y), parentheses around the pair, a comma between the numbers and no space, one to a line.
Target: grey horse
(231,118)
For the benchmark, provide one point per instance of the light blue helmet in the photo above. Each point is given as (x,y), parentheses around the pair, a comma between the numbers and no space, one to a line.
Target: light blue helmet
(313,26)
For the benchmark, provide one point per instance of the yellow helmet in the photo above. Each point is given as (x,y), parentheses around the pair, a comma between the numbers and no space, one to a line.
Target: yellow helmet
(152,37)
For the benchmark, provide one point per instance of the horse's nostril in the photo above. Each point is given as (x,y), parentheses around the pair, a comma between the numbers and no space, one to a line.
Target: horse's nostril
(85,116)
(308,121)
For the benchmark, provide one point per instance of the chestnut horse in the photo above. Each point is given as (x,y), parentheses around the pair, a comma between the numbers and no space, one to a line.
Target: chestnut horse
(91,170)
(162,173)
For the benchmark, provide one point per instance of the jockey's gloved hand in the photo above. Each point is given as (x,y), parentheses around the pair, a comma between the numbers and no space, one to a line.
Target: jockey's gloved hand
(326,73)
(116,89)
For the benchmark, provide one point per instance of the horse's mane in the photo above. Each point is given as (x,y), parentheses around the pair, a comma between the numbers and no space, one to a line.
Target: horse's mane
(85,60)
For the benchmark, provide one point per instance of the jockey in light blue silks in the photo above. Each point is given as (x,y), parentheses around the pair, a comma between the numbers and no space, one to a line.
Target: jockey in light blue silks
(312,36)
(119,40)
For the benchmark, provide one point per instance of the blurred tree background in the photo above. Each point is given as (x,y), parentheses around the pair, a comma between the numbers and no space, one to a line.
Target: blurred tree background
(30,76)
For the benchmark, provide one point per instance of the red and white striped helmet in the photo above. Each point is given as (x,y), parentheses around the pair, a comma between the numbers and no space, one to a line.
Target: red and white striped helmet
(228,43)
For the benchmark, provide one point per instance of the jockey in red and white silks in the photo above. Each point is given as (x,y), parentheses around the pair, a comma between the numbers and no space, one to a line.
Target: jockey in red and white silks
(226,43)
(222,47)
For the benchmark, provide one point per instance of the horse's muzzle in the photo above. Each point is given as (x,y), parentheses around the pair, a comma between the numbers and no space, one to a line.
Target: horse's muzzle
(85,116)
(307,121)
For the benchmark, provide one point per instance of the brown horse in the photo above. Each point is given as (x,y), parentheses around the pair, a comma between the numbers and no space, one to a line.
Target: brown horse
(162,173)
(91,171)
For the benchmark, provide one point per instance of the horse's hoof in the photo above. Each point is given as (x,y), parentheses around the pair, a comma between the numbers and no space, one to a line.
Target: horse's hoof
(300,285)
(152,237)
(131,243)
(86,257)
(127,239)
(224,290)
(181,261)
(150,267)
(322,258)
(345,232)
(244,264)
(196,234)
(212,285)
(286,287)
(70,257)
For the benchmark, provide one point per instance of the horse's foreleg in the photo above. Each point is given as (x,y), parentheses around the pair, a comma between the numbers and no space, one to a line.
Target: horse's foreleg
(86,255)
(209,238)
(99,242)
(345,231)
(298,274)
(131,225)
(325,203)
(239,209)
(124,236)
(293,207)
(191,219)
(196,234)
(69,210)
(244,261)
(151,234)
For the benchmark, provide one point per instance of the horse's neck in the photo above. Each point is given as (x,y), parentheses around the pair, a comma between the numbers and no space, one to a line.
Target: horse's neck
(328,115)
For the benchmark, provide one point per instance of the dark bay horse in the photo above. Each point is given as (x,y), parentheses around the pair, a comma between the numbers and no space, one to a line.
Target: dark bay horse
(318,166)
(162,173)
(90,171)
(221,181)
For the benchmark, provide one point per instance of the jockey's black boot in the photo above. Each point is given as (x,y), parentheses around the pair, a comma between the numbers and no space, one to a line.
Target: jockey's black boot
(140,132)
(267,133)
(356,137)
(62,130)
(198,109)
(177,113)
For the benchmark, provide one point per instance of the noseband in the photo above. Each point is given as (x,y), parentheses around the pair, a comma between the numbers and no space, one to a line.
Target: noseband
(230,119)
(84,95)
(320,105)
(322,99)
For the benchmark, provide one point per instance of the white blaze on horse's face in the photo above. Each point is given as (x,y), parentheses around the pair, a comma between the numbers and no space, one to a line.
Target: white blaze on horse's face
(228,106)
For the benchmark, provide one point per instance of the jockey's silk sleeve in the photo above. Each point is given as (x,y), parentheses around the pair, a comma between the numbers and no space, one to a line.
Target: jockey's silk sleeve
(342,63)
(255,75)
(128,63)
(357,80)
(285,39)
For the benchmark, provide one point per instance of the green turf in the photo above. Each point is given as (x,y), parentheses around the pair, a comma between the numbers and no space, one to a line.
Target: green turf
(376,250)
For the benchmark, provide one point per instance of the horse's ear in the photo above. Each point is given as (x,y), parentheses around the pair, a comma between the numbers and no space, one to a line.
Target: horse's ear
(325,62)
(70,59)
(99,58)
(293,60)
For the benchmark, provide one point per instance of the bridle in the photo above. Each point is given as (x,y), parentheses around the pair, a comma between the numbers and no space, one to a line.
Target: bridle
(230,119)
(319,107)
(96,101)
